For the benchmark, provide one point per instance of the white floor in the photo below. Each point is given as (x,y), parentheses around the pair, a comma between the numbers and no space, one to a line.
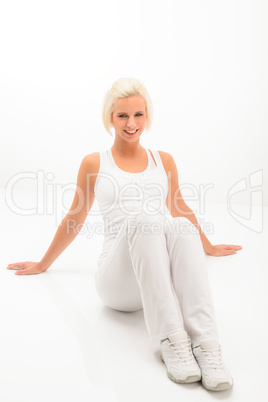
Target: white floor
(58,342)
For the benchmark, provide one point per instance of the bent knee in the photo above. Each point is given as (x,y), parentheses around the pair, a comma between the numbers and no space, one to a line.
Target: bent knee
(181,226)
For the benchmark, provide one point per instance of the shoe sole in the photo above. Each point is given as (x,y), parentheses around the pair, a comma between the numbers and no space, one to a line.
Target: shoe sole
(220,387)
(191,378)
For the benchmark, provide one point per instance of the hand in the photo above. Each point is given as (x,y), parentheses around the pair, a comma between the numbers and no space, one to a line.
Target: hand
(222,249)
(27,268)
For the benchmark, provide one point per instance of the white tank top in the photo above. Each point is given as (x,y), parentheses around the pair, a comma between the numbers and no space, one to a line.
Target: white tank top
(121,195)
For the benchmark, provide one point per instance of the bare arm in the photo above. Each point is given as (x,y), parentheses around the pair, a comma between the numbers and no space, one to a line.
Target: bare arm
(72,223)
(178,207)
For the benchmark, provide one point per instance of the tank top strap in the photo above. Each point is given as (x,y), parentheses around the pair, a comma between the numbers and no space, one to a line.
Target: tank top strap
(104,167)
(151,164)
(109,158)
(157,159)
(105,160)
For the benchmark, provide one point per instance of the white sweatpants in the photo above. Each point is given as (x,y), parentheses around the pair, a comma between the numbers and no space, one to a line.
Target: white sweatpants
(158,264)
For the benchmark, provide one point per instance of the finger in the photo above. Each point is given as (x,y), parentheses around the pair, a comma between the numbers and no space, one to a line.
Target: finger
(232,247)
(17,268)
(17,264)
(225,252)
(231,252)
(23,272)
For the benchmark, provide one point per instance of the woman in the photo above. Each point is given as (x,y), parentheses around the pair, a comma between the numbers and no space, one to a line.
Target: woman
(153,251)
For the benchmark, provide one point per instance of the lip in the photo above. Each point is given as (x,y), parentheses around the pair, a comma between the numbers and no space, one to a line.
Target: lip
(132,133)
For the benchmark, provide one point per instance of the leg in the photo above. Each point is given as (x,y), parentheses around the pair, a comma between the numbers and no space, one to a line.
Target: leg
(115,280)
(147,247)
(190,279)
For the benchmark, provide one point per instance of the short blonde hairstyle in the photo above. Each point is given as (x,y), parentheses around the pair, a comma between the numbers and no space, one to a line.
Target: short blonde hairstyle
(122,88)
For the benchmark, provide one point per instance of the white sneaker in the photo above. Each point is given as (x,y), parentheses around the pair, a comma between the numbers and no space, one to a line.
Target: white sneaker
(215,375)
(176,353)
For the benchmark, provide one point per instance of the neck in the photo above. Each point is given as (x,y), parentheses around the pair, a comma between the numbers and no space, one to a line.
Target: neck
(126,148)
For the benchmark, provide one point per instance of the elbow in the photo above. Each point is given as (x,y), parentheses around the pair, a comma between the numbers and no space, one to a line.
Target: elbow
(74,222)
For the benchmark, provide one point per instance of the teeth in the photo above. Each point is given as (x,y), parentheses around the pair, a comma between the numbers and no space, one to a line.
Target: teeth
(131,132)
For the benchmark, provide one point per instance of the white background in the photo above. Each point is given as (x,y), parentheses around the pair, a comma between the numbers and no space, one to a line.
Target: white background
(205,66)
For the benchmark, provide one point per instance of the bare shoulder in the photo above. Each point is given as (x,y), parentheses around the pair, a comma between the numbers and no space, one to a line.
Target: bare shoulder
(91,162)
(167,159)
(170,167)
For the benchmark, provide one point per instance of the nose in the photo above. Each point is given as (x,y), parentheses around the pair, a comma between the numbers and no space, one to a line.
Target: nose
(131,122)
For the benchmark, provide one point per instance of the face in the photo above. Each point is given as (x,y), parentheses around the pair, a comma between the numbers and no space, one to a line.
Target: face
(129,115)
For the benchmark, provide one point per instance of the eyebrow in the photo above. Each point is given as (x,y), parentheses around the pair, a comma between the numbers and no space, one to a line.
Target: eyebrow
(139,111)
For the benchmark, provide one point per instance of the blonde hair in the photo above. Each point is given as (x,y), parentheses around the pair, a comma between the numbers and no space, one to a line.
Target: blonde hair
(122,88)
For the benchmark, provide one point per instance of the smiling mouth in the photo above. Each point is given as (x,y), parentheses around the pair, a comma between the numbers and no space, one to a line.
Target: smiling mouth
(131,133)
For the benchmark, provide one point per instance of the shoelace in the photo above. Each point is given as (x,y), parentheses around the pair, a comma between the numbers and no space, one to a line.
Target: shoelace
(213,357)
(183,350)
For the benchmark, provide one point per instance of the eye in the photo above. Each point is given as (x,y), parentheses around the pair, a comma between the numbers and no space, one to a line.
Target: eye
(123,115)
